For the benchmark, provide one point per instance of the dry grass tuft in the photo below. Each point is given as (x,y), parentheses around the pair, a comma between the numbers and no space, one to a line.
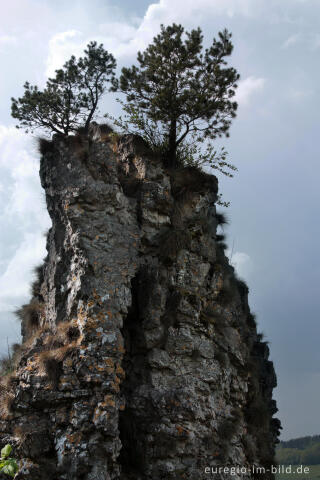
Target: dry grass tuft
(76,140)
(67,335)
(242,287)
(36,284)
(220,238)
(221,218)
(201,222)
(251,320)
(67,331)
(50,366)
(222,246)
(6,404)
(45,145)
(79,145)
(72,333)
(106,132)
(22,431)
(9,363)
(191,179)
(55,347)
(30,315)
(7,382)
(6,365)
(102,129)
(50,362)
(6,395)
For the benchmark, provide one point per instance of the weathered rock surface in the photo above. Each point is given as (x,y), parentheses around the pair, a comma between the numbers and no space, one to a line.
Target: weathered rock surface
(145,362)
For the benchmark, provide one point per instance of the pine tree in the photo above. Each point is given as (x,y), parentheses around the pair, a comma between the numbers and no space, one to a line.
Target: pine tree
(70,100)
(180,92)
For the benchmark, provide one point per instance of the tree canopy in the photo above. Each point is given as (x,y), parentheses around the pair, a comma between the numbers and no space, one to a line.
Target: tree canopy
(70,99)
(180,95)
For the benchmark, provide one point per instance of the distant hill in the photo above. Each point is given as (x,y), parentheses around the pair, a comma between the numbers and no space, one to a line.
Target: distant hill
(299,451)
(301,442)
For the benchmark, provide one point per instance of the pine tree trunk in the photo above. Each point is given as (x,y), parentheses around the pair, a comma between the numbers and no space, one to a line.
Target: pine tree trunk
(172,150)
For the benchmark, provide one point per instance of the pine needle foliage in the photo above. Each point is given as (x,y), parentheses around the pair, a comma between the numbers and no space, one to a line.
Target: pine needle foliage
(70,99)
(180,96)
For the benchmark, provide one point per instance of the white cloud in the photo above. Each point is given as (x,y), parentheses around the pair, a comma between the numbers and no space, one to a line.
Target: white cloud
(309,40)
(23,217)
(61,47)
(297,94)
(7,40)
(125,38)
(120,39)
(241,262)
(20,186)
(292,40)
(16,279)
(247,88)
(186,12)
(188,8)
(316,41)
(117,32)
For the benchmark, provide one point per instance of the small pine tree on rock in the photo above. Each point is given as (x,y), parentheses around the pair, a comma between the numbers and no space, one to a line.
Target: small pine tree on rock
(70,99)
(180,95)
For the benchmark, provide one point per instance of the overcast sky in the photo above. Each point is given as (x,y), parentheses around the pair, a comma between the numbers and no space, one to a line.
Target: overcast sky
(274,142)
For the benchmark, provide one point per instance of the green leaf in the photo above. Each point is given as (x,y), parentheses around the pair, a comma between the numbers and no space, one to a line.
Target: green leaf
(10,468)
(5,452)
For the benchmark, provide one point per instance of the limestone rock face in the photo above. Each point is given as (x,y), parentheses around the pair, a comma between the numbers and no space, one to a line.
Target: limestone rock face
(145,361)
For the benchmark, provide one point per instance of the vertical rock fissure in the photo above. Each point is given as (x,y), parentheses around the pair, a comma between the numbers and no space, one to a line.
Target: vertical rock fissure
(134,367)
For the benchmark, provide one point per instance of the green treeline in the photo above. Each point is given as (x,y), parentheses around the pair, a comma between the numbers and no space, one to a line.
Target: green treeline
(299,451)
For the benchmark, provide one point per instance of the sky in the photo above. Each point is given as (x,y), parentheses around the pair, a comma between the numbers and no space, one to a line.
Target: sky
(273,234)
